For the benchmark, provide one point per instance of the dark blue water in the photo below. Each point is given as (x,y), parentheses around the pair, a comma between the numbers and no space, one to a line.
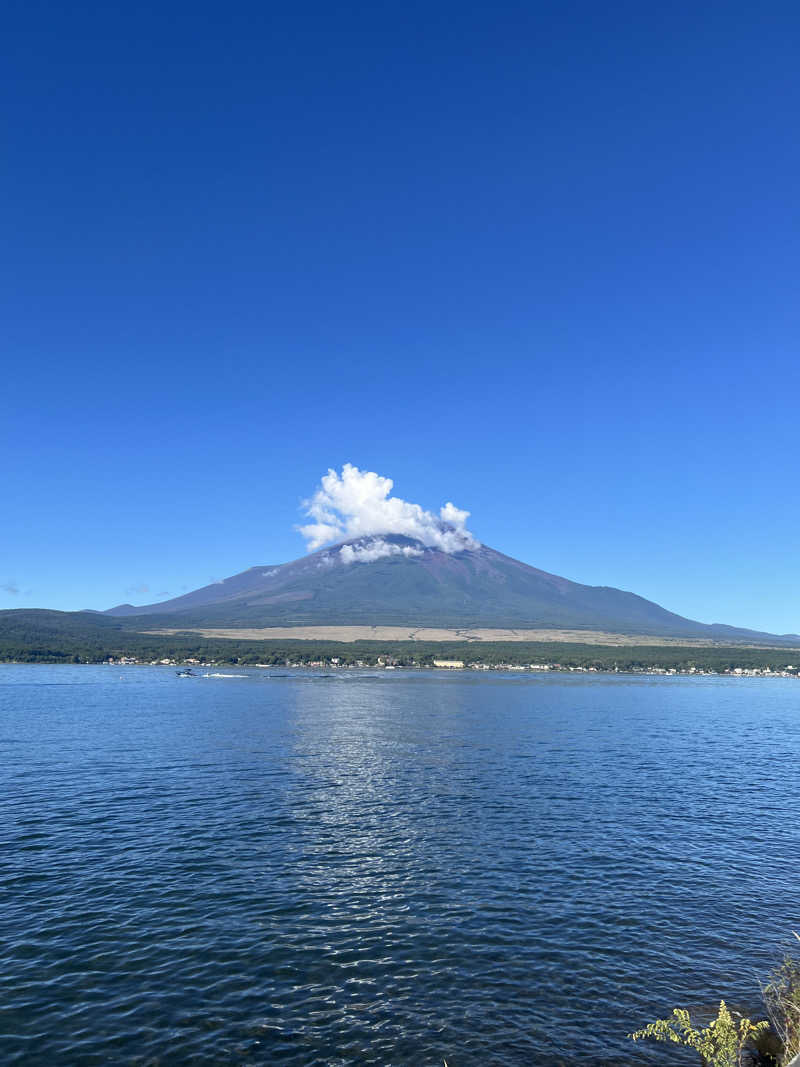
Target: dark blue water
(385,868)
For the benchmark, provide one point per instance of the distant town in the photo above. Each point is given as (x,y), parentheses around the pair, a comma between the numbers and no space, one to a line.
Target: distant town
(391,663)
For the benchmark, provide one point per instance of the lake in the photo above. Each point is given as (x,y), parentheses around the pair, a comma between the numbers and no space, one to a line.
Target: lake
(386,867)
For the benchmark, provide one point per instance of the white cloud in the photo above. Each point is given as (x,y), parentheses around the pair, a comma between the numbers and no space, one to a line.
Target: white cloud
(357,503)
(376,549)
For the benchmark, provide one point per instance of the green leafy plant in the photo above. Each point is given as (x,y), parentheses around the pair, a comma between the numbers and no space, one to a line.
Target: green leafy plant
(720,1044)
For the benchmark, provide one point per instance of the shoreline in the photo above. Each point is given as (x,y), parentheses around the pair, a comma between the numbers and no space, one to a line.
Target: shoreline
(464,668)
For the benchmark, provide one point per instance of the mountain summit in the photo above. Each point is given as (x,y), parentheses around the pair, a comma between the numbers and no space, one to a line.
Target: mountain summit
(391,579)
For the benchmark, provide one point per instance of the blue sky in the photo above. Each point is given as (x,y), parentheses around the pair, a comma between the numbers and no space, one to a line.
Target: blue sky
(537,259)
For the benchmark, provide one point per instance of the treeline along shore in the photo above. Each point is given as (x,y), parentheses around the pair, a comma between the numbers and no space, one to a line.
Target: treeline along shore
(40,636)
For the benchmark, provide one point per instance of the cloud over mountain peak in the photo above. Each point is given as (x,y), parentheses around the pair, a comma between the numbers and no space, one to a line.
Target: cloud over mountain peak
(358,503)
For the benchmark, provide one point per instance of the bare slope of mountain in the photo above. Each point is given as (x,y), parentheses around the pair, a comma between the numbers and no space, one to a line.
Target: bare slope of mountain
(393,579)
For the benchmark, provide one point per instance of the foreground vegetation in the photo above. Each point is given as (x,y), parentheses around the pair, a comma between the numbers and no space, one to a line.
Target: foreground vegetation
(55,637)
(782,999)
(721,1044)
(730,1042)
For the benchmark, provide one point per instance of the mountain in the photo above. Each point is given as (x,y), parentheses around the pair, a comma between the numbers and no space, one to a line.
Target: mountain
(395,580)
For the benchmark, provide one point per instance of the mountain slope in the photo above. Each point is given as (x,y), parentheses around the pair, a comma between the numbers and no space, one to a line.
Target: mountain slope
(394,580)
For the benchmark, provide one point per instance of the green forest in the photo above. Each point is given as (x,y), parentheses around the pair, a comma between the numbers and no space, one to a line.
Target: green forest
(39,636)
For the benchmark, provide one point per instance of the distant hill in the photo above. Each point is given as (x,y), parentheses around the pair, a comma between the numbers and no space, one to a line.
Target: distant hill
(395,580)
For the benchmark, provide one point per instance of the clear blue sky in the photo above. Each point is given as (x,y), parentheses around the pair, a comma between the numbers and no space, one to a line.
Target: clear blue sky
(538,259)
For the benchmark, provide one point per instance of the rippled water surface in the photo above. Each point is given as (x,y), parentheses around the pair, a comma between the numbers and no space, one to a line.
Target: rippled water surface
(385,867)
